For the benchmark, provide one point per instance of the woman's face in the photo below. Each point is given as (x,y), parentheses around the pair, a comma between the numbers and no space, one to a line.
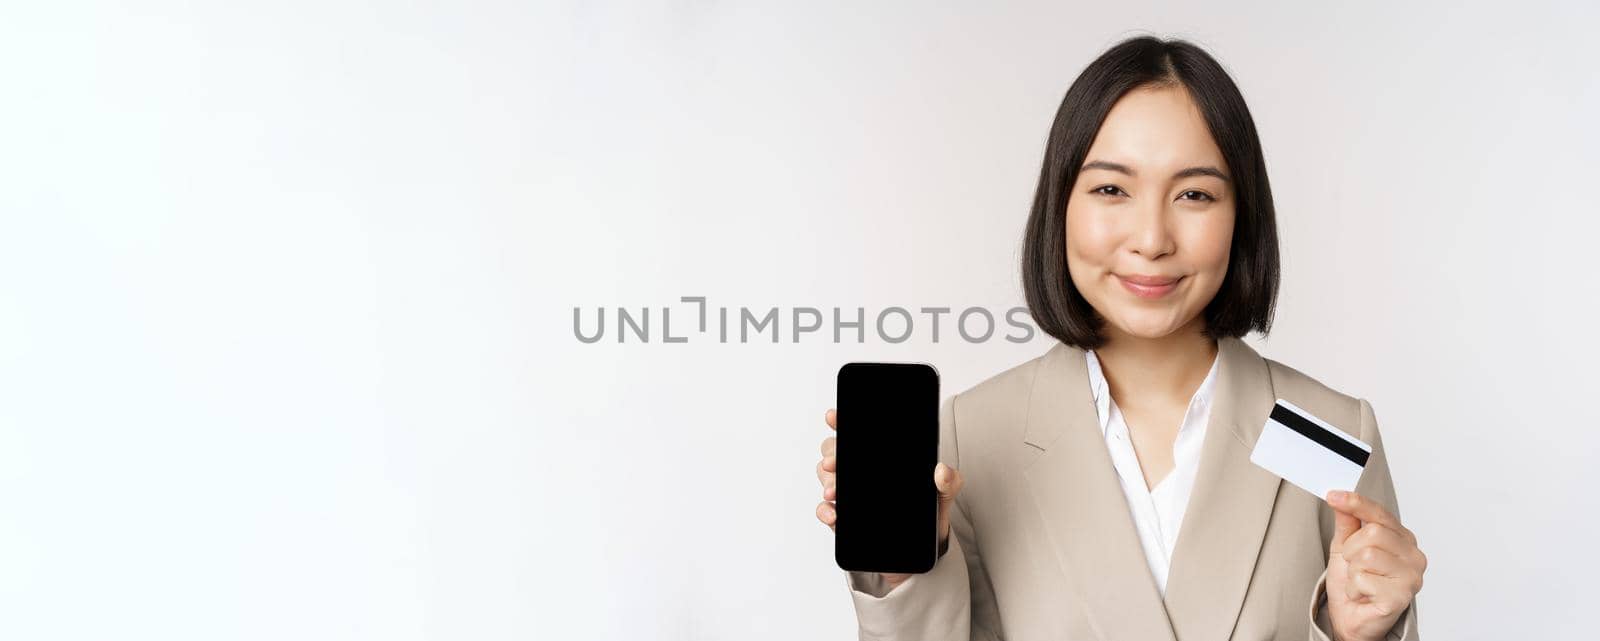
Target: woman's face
(1150,218)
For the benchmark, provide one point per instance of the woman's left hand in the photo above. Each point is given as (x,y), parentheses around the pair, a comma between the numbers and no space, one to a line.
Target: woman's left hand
(1374,568)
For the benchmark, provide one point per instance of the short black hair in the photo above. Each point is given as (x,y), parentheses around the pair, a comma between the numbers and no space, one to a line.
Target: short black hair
(1248,293)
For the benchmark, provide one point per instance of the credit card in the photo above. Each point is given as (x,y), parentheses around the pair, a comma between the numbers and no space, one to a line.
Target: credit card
(1308,452)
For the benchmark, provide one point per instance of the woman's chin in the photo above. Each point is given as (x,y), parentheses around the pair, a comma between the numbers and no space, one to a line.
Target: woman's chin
(1140,326)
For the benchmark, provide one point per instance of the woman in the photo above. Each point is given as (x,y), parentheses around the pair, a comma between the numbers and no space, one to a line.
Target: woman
(1104,490)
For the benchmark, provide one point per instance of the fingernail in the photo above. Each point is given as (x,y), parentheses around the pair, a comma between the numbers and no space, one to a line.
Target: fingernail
(1336,496)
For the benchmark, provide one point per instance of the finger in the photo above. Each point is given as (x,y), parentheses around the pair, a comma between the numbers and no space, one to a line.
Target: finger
(1386,605)
(948,480)
(1344,526)
(831,418)
(1366,509)
(826,514)
(1375,560)
(829,481)
(824,476)
(1361,585)
(1378,536)
(828,444)
(1383,595)
(829,463)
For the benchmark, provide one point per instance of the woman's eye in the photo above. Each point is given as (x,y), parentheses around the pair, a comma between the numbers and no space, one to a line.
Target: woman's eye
(1108,190)
(1198,195)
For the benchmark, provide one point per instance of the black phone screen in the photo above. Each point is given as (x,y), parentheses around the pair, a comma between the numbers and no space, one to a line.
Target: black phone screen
(887,446)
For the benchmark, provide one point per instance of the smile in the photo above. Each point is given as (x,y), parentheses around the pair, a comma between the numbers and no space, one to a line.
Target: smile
(1149,287)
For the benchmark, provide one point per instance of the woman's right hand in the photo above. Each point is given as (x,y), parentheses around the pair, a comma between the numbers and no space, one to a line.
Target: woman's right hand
(947,479)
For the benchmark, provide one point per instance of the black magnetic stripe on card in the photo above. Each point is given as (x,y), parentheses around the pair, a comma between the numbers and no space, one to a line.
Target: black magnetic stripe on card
(1319,435)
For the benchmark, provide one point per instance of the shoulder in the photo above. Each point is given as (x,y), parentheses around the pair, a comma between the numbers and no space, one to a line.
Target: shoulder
(1003,394)
(990,416)
(985,422)
(1343,410)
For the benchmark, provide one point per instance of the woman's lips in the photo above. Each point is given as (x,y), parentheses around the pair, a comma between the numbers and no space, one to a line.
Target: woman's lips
(1149,286)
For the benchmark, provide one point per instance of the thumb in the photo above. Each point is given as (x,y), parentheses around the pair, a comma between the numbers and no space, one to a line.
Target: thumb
(948,481)
(1344,525)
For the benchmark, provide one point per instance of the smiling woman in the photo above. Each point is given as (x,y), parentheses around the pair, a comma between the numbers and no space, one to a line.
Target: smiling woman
(1154,215)
(1158,142)
(1106,489)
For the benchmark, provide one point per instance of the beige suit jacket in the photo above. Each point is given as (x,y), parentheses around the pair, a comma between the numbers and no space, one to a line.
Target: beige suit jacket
(1043,545)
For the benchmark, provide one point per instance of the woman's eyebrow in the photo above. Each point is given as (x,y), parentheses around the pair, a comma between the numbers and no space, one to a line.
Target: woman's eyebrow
(1202,171)
(1124,169)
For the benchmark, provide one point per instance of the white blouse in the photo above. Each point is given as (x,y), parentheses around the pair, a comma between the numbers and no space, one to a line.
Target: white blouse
(1158,513)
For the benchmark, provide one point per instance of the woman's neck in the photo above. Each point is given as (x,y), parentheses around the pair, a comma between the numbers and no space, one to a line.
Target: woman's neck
(1164,370)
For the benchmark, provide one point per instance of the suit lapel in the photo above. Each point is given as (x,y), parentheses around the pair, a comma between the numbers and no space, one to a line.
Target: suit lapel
(1080,502)
(1229,507)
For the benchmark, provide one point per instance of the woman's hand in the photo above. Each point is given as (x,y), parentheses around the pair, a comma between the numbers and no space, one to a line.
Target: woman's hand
(1374,568)
(945,478)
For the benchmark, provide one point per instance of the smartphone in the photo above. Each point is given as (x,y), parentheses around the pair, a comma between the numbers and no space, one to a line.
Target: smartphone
(887,507)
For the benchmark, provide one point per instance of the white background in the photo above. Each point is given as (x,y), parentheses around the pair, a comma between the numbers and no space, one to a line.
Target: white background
(286,294)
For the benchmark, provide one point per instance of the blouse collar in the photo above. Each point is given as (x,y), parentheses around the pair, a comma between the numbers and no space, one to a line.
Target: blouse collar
(1102,398)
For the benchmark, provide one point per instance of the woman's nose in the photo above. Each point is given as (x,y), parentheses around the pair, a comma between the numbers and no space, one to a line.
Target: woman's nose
(1150,236)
